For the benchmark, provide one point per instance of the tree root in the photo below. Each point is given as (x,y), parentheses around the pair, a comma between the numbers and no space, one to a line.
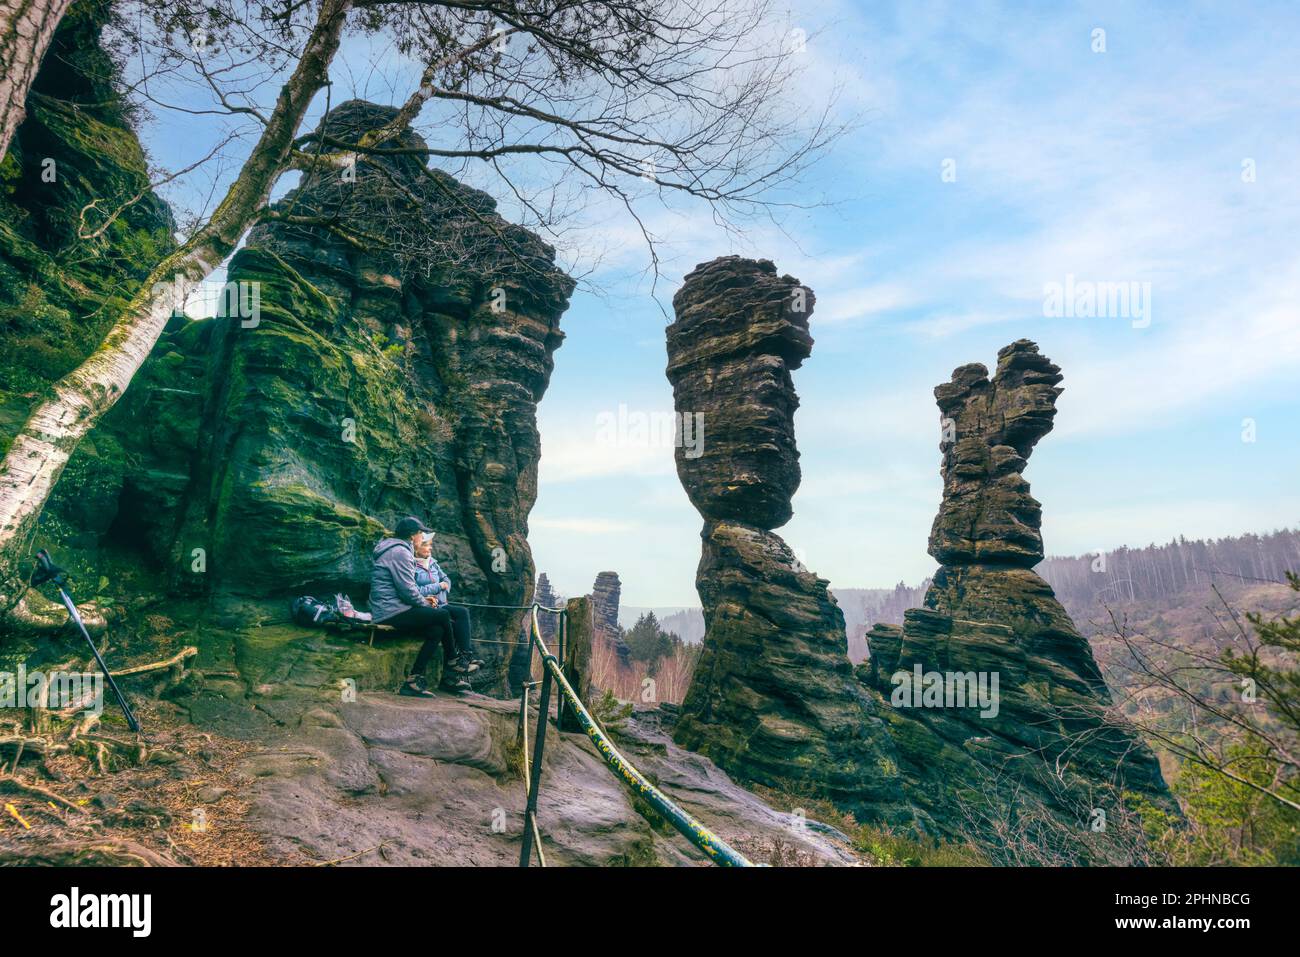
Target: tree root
(174,668)
(35,615)
(108,753)
(177,659)
(10,783)
(93,853)
(350,857)
(21,743)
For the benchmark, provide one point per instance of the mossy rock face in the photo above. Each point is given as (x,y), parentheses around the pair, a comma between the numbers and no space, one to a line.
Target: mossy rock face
(59,293)
(59,290)
(350,388)
(261,454)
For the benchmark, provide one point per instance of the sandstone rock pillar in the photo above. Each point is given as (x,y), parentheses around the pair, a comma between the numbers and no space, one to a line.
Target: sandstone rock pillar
(772,699)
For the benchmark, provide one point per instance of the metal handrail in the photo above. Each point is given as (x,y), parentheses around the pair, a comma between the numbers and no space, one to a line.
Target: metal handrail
(716,849)
(527,773)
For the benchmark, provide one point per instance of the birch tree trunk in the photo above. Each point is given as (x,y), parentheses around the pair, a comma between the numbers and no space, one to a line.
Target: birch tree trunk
(42,448)
(26,28)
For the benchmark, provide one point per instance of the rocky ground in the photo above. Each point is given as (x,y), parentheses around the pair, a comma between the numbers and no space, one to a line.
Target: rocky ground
(285,747)
(179,799)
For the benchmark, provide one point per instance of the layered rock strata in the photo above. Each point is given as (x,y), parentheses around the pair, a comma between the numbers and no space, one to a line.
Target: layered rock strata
(1035,769)
(605,595)
(384,344)
(773,698)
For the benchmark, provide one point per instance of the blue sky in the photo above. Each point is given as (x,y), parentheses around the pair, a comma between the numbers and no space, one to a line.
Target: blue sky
(1117,166)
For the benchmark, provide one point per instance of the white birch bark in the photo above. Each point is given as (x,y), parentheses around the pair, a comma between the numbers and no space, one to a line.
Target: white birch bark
(26,28)
(76,403)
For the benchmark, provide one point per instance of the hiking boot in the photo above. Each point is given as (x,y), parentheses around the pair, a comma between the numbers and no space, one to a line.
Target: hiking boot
(455,684)
(416,687)
(462,665)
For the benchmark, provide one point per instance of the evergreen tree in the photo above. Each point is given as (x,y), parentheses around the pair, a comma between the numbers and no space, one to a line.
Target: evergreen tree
(648,642)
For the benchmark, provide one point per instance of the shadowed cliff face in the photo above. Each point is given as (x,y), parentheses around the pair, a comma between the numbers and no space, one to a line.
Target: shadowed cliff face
(1036,777)
(773,698)
(60,293)
(401,377)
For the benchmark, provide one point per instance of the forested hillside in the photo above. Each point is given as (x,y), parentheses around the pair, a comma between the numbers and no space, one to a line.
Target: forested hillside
(1158,572)
(1143,581)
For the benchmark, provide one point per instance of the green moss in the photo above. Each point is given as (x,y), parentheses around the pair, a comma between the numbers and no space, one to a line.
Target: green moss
(887,848)
(60,293)
(83,132)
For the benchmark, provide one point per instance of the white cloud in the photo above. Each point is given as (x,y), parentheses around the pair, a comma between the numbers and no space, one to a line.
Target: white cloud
(1207,359)
(862,302)
(573,450)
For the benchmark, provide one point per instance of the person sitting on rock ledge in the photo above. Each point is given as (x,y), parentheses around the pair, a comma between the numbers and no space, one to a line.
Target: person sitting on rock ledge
(395,600)
(435,587)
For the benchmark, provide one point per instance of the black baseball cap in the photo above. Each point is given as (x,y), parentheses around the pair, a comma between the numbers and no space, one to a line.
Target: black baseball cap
(409,526)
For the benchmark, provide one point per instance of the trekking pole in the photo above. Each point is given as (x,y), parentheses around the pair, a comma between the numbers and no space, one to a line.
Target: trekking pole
(47,571)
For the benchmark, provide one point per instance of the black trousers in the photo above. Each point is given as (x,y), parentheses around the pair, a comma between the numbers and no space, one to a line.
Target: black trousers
(448,625)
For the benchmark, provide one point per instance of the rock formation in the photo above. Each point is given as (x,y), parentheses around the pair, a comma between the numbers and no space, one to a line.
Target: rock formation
(546,597)
(988,516)
(773,698)
(346,387)
(428,779)
(1035,776)
(605,595)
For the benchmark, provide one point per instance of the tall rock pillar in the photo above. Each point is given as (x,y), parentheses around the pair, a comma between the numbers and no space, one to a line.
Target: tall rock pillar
(1038,773)
(605,595)
(773,699)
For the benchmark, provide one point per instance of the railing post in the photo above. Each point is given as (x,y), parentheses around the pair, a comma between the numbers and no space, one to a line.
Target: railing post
(561,635)
(576,660)
(535,779)
(552,670)
(521,733)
